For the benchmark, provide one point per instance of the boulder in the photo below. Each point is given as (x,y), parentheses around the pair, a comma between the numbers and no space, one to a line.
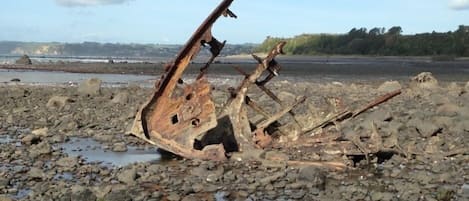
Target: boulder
(389,86)
(90,87)
(424,80)
(58,102)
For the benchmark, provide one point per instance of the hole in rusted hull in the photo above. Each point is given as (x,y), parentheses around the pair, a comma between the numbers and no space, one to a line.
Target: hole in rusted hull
(175,119)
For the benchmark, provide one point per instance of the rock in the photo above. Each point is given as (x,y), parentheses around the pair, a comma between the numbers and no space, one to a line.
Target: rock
(42,132)
(379,115)
(274,164)
(173,197)
(466,87)
(80,193)
(24,60)
(36,173)
(118,195)
(68,162)
(439,99)
(58,102)
(269,179)
(90,87)
(121,98)
(384,196)
(312,175)
(4,182)
(127,176)
(197,187)
(424,128)
(101,191)
(389,86)
(119,147)
(449,110)
(276,156)
(424,80)
(286,97)
(15,80)
(30,139)
(42,148)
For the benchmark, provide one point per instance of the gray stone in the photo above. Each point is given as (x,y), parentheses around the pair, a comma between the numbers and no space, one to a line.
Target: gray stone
(119,147)
(127,176)
(42,148)
(80,193)
(272,178)
(312,175)
(449,110)
(173,197)
(274,164)
(58,102)
(101,191)
(424,128)
(4,182)
(118,195)
(36,173)
(389,86)
(90,87)
(121,98)
(30,139)
(466,87)
(69,162)
(197,187)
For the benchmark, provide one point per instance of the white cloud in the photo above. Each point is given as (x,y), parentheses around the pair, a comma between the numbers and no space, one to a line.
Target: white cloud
(82,3)
(459,4)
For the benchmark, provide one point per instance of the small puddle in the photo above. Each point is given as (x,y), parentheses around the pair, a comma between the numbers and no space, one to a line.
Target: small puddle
(92,151)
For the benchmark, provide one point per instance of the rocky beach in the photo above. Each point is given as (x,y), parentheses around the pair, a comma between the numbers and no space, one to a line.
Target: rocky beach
(69,143)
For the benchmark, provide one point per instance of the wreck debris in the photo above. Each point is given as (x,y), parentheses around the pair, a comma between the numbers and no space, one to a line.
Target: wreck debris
(180,117)
(346,114)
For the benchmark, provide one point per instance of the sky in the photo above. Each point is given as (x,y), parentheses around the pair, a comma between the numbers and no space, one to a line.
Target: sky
(172,22)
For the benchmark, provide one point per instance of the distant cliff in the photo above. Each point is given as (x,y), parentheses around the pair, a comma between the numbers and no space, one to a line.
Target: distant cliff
(105,49)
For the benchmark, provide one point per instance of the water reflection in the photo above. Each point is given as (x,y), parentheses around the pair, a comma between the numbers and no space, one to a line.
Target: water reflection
(92,151)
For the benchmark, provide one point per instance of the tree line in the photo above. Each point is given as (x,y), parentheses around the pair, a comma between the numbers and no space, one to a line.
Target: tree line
(376,41)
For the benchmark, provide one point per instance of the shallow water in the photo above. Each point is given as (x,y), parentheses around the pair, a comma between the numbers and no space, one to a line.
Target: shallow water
(57,77)
(92,152)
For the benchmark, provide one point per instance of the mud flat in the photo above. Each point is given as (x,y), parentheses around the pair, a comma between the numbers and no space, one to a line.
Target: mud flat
(49,136)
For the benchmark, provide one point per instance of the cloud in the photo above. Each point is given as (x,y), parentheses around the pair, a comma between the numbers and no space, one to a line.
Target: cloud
(83,3)
(459,4)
